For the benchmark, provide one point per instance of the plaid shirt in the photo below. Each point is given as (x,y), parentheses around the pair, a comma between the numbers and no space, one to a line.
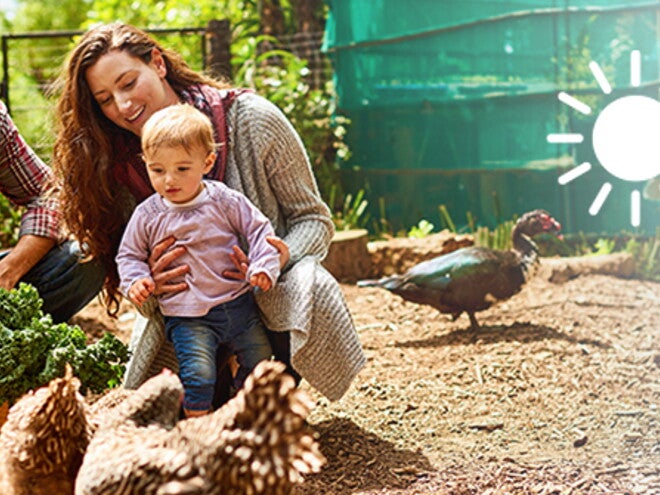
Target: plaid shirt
(24,179)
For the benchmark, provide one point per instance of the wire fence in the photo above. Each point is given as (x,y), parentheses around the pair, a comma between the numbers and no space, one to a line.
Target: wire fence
(307,46)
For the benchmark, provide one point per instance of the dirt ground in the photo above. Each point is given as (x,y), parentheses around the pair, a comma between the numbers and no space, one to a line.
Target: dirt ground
(556,394)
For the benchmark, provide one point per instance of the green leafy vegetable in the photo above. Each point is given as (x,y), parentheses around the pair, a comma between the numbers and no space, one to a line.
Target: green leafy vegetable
(18,306)
(34,350)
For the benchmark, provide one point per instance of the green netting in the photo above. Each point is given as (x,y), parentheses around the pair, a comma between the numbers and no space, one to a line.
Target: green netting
(451,103)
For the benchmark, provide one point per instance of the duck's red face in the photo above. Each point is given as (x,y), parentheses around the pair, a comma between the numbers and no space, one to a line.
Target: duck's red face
(550,224)
(538,221)
(545,223)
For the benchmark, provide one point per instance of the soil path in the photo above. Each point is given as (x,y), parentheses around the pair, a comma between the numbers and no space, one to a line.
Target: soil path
(558,393)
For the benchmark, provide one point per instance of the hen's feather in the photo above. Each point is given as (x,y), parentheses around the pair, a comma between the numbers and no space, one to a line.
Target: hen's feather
(44,439)
(257,443)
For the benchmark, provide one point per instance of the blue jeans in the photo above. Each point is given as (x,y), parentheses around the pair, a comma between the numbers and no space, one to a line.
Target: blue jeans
(64,283)
(237,325)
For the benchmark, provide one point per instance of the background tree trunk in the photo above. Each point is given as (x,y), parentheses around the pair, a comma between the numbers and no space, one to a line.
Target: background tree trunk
(272,18)
(309,15)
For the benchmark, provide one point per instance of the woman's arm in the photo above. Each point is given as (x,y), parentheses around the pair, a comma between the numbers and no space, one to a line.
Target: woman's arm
(308,227)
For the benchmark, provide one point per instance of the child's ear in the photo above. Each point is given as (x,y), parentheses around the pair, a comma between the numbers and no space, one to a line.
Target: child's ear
(210,161)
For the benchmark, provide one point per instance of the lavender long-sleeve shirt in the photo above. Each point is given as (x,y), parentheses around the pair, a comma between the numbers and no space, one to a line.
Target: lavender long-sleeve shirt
(208,226)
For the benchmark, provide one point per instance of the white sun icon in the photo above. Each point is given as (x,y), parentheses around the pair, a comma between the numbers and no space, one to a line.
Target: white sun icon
(625,138)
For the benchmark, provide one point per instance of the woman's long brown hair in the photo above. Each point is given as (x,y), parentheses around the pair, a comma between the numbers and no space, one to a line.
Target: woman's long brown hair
(95,206)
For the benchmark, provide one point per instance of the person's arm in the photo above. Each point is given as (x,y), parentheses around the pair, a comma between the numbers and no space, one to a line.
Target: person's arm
(26,181)
(23,256)
(309,227)
(264,257)
(135,281)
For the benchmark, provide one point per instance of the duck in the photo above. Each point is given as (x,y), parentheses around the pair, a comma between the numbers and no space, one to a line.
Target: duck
(472,279)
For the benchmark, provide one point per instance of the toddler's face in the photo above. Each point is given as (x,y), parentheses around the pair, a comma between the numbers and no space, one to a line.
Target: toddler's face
(176,173)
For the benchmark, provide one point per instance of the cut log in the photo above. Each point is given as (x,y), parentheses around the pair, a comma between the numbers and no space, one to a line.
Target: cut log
(348,257)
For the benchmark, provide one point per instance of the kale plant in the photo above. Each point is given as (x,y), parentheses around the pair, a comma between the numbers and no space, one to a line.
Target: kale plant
(34,350)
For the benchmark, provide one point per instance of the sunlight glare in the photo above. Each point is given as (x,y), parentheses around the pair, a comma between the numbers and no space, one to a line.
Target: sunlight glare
(600,77)
(625,138)
(600,199)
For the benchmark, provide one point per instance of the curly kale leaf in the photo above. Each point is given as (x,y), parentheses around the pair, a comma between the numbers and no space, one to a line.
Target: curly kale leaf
(34,350)
(60,334)
(22,356)
(19,306)
(99,366)
(102,364)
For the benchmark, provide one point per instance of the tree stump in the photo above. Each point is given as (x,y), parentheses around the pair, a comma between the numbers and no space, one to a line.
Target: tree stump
(348,258)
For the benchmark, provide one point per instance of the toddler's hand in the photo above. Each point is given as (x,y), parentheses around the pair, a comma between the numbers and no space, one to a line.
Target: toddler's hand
(261,280)
(141,290)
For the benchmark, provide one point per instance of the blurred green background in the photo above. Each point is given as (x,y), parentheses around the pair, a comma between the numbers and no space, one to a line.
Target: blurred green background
(450,102)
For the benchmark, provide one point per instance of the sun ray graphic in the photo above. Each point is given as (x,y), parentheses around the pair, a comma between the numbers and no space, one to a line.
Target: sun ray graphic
(624,138)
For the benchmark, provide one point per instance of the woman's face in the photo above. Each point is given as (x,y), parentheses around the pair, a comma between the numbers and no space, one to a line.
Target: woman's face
(128,90)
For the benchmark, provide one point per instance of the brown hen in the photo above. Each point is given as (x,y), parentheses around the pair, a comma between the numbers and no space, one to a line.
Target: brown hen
(44,439)
(257,443)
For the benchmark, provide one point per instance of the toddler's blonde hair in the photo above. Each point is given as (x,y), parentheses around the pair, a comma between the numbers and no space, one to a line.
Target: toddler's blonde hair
(177,125)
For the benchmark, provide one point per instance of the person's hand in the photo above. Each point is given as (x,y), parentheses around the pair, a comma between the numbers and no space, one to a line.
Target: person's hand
(29,250)
(140,291)
(240,260)
(8,277)
(261,280)
(159,261)
(282,247)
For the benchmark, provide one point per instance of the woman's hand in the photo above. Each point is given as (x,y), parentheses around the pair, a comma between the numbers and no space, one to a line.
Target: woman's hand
(282,247)
(159,261)
(241,263)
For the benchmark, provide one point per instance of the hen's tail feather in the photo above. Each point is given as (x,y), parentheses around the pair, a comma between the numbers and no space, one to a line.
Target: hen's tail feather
(261,436)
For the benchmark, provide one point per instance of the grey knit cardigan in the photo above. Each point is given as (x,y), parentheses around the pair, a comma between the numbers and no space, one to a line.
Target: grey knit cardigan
(267,162)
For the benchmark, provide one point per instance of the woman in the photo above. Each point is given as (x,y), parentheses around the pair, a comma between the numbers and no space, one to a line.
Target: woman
(115,79)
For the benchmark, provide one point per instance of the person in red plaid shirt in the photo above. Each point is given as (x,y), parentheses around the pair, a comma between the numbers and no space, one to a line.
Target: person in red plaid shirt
(42,257)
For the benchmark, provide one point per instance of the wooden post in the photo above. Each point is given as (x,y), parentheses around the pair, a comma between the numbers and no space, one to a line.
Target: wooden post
(218,42)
